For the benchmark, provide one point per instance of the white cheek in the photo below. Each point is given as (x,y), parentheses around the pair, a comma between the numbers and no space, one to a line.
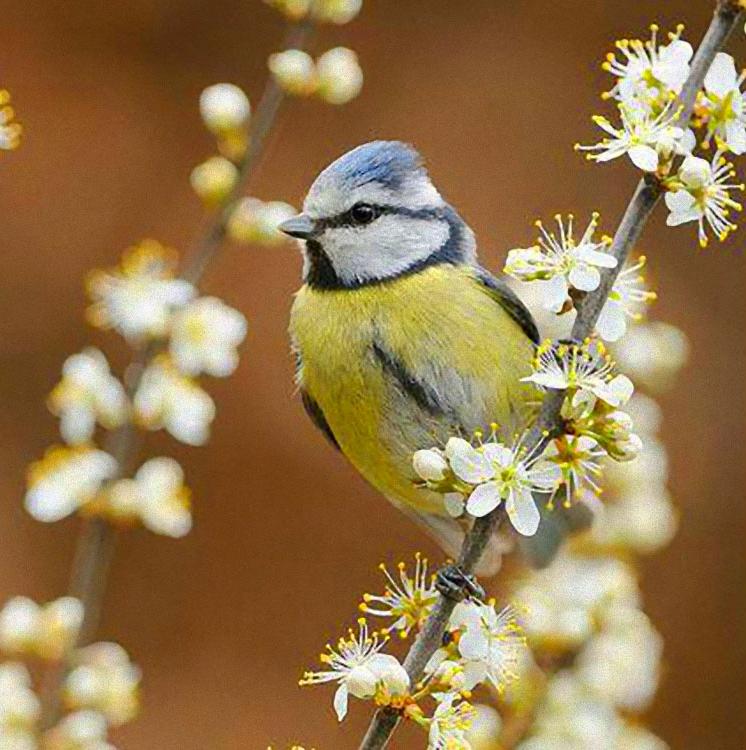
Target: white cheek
(388,246)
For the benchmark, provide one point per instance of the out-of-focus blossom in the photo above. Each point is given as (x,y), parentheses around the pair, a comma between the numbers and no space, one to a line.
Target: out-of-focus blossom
(626,301)
(704,197)
(642,520)
(563,603)
(360,669)
(88,393)
(65,479)
(204,337)
(214,180)
(408,600)
(561,263)
(621,665)
(20,708)
(649,71)
(10,131)
(104,680)
(723,104)
(648,471)
(643,136)
(635,737)
(47,631)
(339,76)
(652,353)
(323,11)
(485,728)
(580,367)
(156,496)
(138,297)
(167,399)
(450,723)
(224,108)
(256,221)
(295,72)
(80,730)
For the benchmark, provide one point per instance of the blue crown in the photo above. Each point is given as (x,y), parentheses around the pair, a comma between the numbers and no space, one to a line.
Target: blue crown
(388,163)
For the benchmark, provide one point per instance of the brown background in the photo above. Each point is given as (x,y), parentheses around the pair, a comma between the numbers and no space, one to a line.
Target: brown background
(494,93)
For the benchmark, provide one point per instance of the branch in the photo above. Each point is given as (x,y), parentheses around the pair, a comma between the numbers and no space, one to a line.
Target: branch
(641,205)
(97,538)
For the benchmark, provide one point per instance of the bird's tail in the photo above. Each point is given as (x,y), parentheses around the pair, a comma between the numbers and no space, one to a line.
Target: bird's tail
(449,533)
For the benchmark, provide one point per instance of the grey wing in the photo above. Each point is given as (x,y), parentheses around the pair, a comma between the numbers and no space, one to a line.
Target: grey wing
(510,302)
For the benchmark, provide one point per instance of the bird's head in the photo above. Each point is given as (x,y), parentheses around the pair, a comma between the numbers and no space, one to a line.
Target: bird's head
(374,215)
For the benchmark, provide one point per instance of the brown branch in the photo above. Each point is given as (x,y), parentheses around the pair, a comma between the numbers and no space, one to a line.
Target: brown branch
(641,205)
(97,538)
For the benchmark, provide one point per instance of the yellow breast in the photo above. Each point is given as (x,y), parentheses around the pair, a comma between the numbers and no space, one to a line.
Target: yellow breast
(445,331)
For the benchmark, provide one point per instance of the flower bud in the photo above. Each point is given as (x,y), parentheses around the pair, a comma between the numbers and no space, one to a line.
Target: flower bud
(695,172)
(224,108)
(391,673)
(336,11)
(430,465)
(294,71)
(340,77)
(456,445)
(214,179)
(256,221)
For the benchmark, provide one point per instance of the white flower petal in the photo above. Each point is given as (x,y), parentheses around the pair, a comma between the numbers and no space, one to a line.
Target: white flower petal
(523,513)
(484,499)
(644,158)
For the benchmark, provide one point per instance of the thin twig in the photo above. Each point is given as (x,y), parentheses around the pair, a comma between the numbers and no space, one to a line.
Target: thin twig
(97,538)
(641,205)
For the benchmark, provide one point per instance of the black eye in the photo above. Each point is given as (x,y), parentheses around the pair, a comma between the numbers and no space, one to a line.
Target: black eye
(363,213)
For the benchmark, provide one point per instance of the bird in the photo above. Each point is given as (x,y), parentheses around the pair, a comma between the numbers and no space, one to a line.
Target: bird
(401,338)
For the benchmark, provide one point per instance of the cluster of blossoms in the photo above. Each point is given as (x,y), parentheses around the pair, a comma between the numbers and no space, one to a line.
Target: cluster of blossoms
(477,479)
(10,131)
(649,76)
(483,646)
(100,690)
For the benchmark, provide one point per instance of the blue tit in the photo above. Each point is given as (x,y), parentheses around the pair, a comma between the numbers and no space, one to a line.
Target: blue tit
(402,339)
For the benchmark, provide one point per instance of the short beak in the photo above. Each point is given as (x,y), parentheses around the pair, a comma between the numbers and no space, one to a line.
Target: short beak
(299,226)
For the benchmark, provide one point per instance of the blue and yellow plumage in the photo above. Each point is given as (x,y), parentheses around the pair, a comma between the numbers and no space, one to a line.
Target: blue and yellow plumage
(402,339)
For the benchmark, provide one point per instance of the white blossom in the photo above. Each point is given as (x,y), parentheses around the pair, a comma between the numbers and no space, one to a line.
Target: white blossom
(584,367)
(104,679)
(340,77)
(429,464)
(407,600)
(626,301)
(359,669)
(224,108)
(65,479)
(491,644)
(649,69)
(138,297)
(724,104)
(10,131)
(156,496)
(20,708)
(88,393)
(335,11)
(449,724)
(561,261)
(167,399)
(643,136)
(47,631)
(204,337)
(704,197)
(505,474)
(485,728)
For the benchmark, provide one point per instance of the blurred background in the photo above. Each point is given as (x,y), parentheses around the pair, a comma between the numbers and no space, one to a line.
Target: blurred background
(287,536)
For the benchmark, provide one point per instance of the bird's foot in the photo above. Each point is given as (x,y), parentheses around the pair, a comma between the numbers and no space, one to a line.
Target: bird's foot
(453,583)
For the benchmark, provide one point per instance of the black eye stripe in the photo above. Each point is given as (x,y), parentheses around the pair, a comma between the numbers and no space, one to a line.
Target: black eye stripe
(345,219)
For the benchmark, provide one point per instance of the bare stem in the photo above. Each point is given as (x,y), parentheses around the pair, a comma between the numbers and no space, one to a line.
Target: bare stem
(97,538)
(641,205)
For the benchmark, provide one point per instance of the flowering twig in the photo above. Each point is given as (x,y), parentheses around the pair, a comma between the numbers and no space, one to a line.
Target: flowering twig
(647,194)
(97,538)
